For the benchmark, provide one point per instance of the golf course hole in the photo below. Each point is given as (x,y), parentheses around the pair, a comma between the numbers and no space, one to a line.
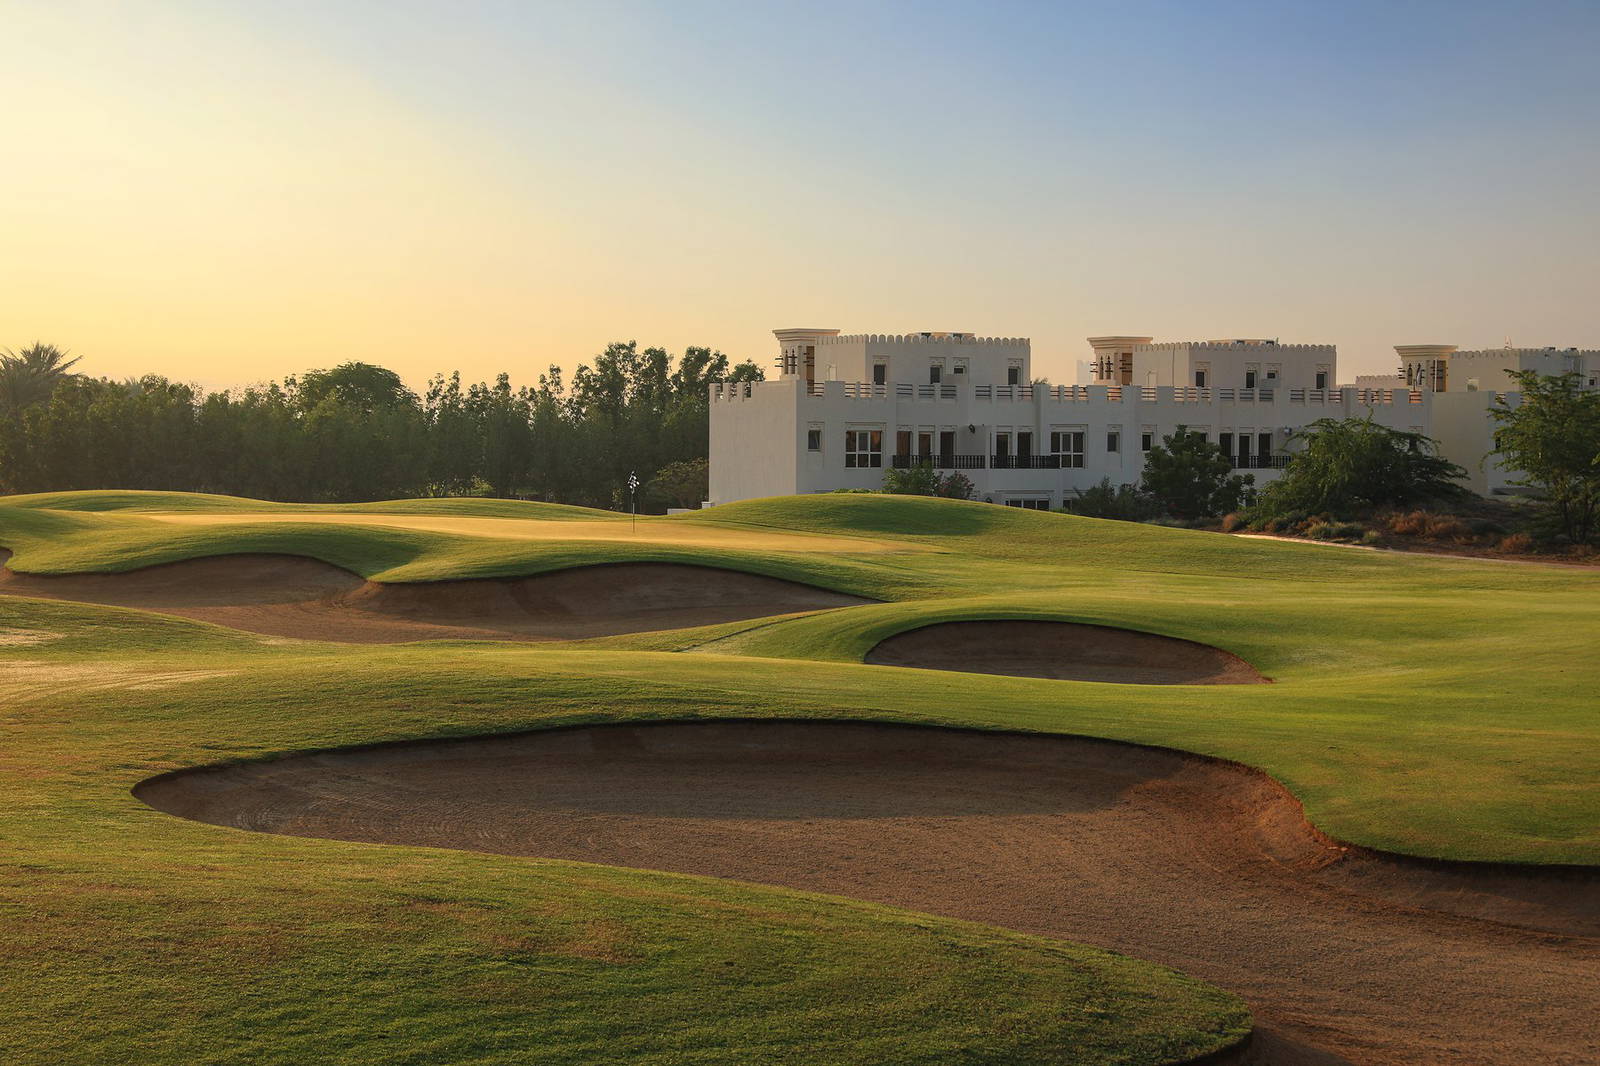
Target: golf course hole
(292,596)
(1064,651)
(1194,863)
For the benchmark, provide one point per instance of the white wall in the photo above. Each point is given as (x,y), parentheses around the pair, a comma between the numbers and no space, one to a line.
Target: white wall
(1295,365)
(756,444)
(759,442)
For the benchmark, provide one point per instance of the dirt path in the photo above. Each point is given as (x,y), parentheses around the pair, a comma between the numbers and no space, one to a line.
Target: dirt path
(289,596)
(1188,862)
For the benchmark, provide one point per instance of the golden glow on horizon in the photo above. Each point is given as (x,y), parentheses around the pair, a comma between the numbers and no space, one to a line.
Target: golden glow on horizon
(220,197)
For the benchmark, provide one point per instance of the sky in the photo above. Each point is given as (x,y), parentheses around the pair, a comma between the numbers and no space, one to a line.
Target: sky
(226,193)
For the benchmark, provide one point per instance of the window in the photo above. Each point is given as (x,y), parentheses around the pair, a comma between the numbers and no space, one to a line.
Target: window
(1013,375)
(1002,445)
(1147,440)
(1322,379)
(1113,440)
(880,374)
(1249,379)
(863,447)
(960,369)
(1200,379)
(1068,445)
(935,373)
(1225,444)
(1029,504)
(813,440)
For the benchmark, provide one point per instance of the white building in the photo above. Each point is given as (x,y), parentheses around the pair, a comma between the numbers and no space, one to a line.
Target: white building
(845,408)
(1445,368)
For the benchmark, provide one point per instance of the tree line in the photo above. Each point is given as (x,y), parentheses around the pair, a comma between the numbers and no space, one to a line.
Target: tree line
(355,432)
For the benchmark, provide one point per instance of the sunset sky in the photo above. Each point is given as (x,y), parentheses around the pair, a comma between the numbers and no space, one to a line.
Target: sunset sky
(228,192)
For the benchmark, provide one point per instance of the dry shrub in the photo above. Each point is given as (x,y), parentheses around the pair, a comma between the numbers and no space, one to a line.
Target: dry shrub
(1232,522)
(1447,527)
(1516,544)
(1413,524)
(1429,526)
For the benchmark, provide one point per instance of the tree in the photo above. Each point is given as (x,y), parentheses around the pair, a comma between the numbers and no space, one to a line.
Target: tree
(682,484)
(1553,437)
(30,376)
(1347,466)
(362,386)
(1189,477)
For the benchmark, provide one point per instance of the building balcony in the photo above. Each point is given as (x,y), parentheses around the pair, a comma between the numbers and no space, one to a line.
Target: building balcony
(1260,462)
(1025,462)
(943,461)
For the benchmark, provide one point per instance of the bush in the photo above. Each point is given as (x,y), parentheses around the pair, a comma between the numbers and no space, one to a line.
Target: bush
(1232,522)
(1324,529)
(918,480)
(956,486)
(1123,502)
(1516,544)
(1372,536)
(1414,524)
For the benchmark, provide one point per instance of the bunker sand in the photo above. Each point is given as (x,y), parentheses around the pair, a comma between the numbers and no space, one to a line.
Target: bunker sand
(647,530)
(1344,957)
(288,596)
(1066,651)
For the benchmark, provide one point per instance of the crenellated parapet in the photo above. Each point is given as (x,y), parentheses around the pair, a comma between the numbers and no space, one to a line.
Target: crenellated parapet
(922,338)
(1232,346)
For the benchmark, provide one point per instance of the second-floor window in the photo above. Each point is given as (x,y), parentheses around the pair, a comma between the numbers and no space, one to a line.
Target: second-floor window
(935,373)
(1113,440)
(1013,375)
(1067,444)
(880,374)
(1249,379)
(1200,379)
(863,447)
(813,440)
(1322,379)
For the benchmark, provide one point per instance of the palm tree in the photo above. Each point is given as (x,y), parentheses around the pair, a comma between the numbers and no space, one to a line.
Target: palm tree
(31,375)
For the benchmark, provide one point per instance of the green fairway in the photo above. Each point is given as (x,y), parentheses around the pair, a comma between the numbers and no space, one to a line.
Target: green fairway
(1433,706)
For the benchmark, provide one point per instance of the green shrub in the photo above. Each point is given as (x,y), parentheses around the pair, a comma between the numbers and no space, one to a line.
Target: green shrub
(1348,467)
(1123,502)
(1189,477)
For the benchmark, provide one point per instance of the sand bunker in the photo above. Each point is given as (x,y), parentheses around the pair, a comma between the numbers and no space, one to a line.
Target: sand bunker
(288,596)
(1344,956)
(1065,651)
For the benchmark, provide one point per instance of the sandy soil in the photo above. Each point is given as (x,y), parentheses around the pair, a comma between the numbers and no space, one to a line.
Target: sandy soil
(649,529)
(286,596)
(1066,651)
(1193,863)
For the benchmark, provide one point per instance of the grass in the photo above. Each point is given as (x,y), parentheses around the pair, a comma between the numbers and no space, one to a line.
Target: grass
(1434,706)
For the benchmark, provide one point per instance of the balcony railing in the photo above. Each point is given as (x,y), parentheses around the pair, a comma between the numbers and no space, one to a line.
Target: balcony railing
(943,461)
(1025,462)
(1260,462)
